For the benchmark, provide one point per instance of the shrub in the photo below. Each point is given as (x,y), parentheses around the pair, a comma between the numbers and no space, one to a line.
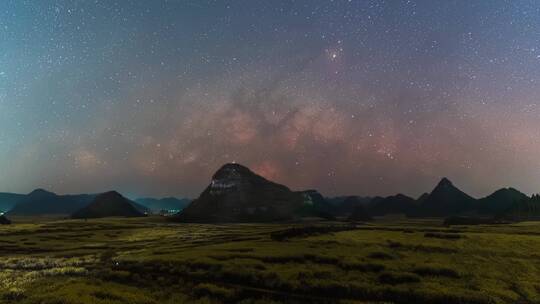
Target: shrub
(393,244)
(13,295)
(102,295)
(393,278)
(283,235)
(434,249)
(460,220)
(211,290)
(433,271)
(447,236)
(117,275)
(71,271)
(381,256)
(364,267)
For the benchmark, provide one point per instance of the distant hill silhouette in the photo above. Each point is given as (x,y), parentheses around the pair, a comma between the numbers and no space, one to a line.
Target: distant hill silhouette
(9,200)
(108,204)
(344,206)
(500,201)
(360,214)
(42,202)
(396,204)
(168,203)
(422,198)
(525,209)
(141,208)
(4,220)
(445,200)
(236,194)
(316,205)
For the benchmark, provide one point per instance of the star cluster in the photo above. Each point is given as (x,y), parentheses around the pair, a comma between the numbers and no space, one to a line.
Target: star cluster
(348,97)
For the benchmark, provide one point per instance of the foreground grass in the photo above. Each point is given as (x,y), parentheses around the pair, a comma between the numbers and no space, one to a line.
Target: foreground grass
(152,261)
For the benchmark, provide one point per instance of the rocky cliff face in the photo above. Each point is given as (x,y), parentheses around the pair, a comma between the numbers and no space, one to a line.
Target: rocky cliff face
(236,194)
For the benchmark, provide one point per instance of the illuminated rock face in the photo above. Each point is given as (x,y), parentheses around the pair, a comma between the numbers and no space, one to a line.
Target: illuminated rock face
(236,194)
(229,179)
(313,197)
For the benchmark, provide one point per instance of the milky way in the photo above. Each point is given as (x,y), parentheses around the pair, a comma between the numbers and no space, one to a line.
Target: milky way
(348,97)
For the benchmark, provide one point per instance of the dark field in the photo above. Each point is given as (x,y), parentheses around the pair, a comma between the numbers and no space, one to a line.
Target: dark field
(152,261)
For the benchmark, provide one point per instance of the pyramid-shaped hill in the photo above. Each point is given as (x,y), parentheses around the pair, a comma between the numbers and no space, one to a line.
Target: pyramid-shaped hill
(42,202)
(109,204)
(236,194)
(395,204)
(445,200)
(4,220)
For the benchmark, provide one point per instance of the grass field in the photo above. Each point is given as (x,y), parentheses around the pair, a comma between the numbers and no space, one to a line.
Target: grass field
(152,261)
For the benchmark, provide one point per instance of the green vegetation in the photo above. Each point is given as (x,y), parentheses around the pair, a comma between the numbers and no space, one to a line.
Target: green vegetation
(150,260)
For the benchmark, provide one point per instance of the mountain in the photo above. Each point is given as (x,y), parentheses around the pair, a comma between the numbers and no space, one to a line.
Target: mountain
(168,203)
(345,205)
(360,213)
(108,204)
(446,199)
(500,201)
(42,202)
(338,200)
(142,209)
(523,210)
(4,220)
(396,204)
(422,198)
(314,197)
(316,205)
(236,194)
(9,200)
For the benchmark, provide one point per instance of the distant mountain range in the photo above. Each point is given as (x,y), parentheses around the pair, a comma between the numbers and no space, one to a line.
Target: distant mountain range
(43,202)
(361,214)
(9,200)
(345,205)
(448,200)
(396,204)
(236,194)
(164,204)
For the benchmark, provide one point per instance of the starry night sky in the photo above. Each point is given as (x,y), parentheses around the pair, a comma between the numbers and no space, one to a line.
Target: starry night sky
(348,97)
